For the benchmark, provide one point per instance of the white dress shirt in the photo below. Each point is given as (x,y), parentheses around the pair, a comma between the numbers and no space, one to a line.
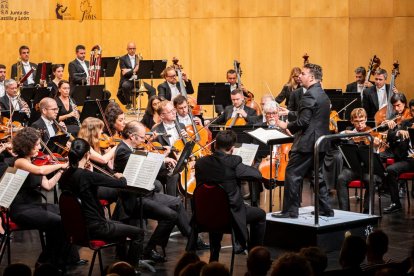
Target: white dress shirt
(85,68)
(132,60)
(49,126)
(174,90)
(2,89)
(14,103)
(382,97)
(172,131)
(27,68)
(184,120)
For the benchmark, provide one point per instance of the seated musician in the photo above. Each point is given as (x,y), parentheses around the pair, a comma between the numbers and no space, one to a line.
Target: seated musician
(376,96)
(116,119)
(181,105)
(151,116)
(238,109)
(358,119)
(68,112)
(57,72)
(47,121)
(170,88)
(27,209)
(11,100)
(174,131)
(399,142)
(91,131)
(263,101)
(359,84)
(84,184)
(167,210)
(129,65)
(223,168)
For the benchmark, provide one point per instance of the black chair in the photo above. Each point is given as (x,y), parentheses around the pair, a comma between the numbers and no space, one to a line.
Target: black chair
(75,227)
(211,213)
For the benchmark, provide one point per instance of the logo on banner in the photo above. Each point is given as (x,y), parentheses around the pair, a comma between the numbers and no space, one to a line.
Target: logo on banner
(86,11)
(12,15)
(60,11)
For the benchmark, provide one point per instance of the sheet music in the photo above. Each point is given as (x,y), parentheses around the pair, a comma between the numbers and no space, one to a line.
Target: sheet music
(10,185)
(141,170)
(247,152)
(264,135)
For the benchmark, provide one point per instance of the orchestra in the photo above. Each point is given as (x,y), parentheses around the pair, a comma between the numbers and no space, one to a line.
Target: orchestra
(99,146)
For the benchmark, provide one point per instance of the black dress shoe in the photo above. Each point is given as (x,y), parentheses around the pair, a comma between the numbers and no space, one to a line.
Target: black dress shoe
(393,208)
(154,256)
(325,213)
(285,215)
(201,245)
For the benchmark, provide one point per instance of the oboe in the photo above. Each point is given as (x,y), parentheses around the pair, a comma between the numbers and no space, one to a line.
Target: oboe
(75,108)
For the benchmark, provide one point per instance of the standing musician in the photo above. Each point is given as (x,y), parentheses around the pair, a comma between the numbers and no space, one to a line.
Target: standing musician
(359,84)
(168,125)
(223,168)
(68,112)
(57,71)
(116,119)
(11,100)
(151,116)
(238,109)
(312,121)
(25,65)
(129,65)
(85,185)
(49,112)
(181,105)
(2,80)
(170,88)
(359,120)
(295,98)
(167,210)
(292,84)
(27,209)
(375,97)
(79,68)
(400,144)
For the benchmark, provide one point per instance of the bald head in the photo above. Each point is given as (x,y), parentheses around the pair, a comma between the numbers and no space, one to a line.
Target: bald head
(49,108)
(131,48)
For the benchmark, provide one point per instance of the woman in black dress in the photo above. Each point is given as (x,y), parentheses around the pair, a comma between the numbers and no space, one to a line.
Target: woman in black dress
(151,117)
(57,70)
(67,108)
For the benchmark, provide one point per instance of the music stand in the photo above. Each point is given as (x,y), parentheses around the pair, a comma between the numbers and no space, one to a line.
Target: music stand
(340,101)
(17,116)
(215,93)
(56,143)
(108,67)
(333,91)
(151,69)
(39,70)
(91,109)
(182,165)
(82,93)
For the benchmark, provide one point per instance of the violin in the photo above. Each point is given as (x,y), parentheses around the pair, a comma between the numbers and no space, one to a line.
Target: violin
(46,159)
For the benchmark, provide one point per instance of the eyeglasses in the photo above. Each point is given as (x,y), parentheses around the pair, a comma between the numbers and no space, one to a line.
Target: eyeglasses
(170,112)
(271,113)
(132,48)
(142,137)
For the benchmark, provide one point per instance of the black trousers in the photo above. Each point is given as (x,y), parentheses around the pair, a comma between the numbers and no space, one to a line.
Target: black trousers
(127,87)
(46,218)
(256,218)
(393,171)
(299,165)
(118,232)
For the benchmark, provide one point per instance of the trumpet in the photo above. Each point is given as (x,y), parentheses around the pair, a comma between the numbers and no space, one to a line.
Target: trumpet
(75,108)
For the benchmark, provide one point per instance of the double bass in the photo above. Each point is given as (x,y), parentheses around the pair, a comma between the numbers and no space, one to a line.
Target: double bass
(249,96)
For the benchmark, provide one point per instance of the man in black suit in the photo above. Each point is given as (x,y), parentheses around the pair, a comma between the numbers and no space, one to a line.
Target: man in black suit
(79,68)
(238,109)
(26,66)
(171,88)
(359,84)
(129,65)
(223,168)
(46,123)
(167,210)
(376,96)
(12,102)
(312,121)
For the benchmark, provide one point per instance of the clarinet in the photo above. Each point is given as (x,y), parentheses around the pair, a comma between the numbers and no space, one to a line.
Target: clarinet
(75,108)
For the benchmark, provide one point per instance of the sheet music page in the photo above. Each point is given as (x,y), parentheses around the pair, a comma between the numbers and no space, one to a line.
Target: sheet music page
(264,135)
(14,183)
(132,168)
(247,152)
(149,171)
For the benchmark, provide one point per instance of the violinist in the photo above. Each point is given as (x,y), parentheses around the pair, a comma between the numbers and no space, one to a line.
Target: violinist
(170,88)
(12,100)
(68,112)
(358,119)
(375,97)
(400,110)
(292,84)
(49,111)
(181,105)
(27,208)
(151,116)
(359,84)
(400,144)
(167,210)
(238,109)
(116,119)
(2,80)
(57,71)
